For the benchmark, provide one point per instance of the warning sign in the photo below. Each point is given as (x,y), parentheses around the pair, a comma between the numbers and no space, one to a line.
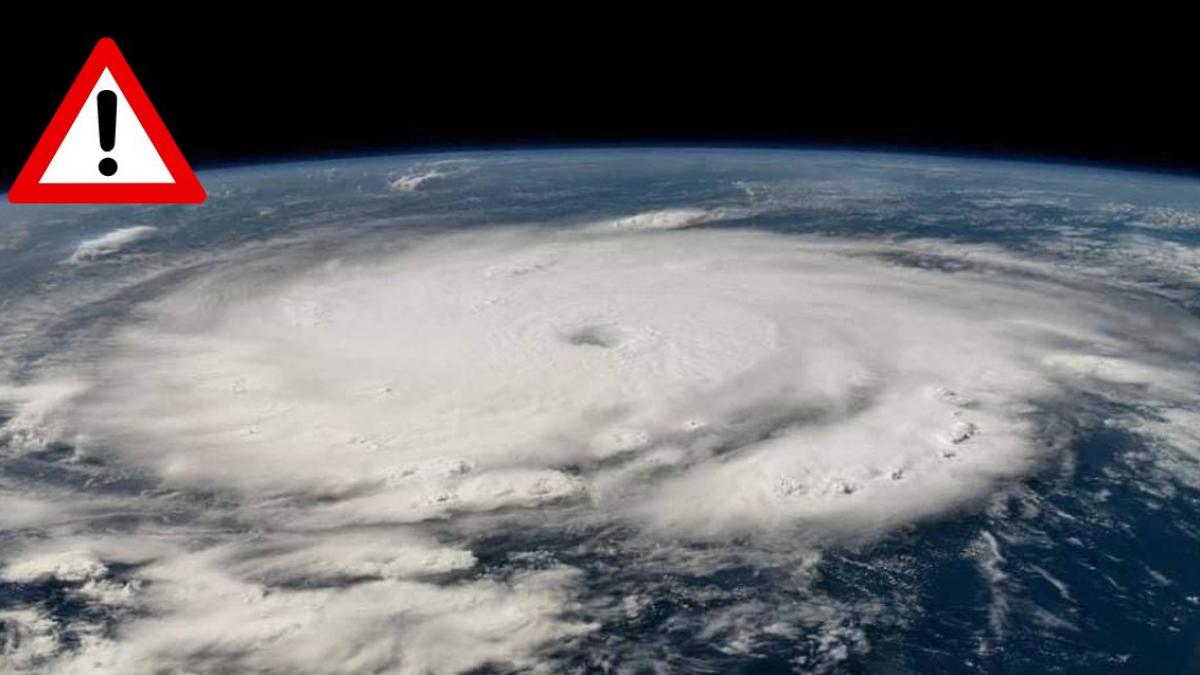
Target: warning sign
(106,145)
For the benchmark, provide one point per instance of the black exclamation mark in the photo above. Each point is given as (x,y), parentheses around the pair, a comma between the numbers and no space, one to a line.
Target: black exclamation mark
(106,106)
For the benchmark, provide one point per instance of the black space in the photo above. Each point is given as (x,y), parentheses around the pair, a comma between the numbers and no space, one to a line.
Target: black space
(371,82)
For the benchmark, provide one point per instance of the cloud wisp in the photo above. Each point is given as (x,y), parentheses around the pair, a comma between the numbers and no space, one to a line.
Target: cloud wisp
(111,243)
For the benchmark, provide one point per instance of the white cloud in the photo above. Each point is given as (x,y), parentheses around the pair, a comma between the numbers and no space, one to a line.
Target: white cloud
(29,638)
(416,176)
(72,566)
(111,243)
(664,219)
(271,604)
(412,180)
(35,424)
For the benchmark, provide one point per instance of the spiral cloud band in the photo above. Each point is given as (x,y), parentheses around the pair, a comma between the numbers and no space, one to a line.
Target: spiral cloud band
(798,383)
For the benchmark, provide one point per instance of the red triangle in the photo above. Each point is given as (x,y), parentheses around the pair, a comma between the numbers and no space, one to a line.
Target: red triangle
(28,190)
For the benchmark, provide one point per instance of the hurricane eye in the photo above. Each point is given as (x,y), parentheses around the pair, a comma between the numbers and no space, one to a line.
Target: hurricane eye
(606,336)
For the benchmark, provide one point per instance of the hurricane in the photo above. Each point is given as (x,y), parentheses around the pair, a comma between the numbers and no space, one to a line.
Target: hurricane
(546,433)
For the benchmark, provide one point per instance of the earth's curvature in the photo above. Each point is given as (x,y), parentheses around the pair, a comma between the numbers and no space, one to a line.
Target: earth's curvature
(636,411)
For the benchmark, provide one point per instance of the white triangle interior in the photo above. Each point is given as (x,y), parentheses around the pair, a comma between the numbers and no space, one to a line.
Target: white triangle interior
(78,157)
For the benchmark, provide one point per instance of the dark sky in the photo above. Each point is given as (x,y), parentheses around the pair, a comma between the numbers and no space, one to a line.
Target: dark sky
(232,92)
